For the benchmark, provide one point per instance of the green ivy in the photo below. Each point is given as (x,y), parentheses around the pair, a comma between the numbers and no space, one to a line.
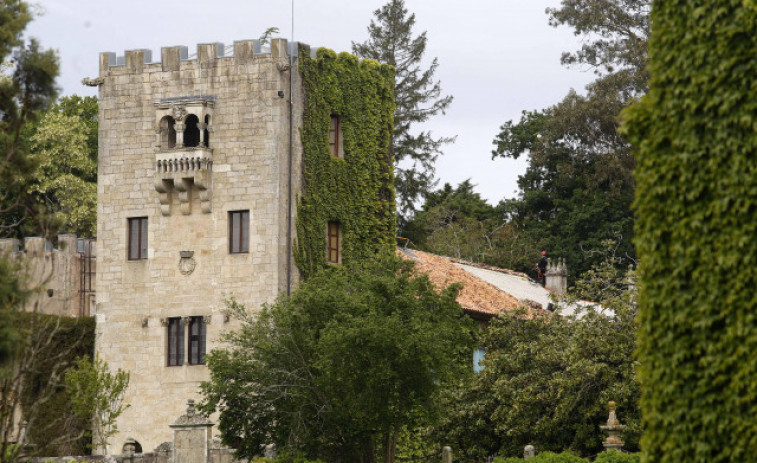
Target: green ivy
(696,138)
(357,191)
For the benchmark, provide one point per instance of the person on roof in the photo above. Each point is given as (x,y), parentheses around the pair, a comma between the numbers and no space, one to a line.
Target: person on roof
(541,269)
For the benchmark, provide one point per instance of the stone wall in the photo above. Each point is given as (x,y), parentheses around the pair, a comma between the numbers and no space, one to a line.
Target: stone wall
(186,194)
(61,276)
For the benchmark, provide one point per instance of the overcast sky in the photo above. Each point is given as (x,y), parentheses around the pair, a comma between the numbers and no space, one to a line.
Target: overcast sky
(496,57)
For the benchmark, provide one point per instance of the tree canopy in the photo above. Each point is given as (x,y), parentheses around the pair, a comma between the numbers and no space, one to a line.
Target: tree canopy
(547,380)
(417,98)
(27,88)
(64,148)
(340,368)
(578,188)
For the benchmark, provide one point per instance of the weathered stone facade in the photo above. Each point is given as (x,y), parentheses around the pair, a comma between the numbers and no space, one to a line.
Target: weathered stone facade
(61,277)
(240,163)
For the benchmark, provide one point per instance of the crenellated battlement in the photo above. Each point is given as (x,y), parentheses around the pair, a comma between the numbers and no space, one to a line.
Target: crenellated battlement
(62,276)
(174,58)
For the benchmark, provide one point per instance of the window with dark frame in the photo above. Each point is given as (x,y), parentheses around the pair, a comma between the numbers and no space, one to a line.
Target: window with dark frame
(239,232)
(197,341)
(175,342)
(335,135)
(334,243)
(137,238)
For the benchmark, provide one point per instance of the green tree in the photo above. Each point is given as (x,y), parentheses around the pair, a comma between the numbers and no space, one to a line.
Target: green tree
(694,132)
(339,369)
(64,148)
(97,396)
(578,188)
(457,222)
(27,88)
(547,381)
(417,98)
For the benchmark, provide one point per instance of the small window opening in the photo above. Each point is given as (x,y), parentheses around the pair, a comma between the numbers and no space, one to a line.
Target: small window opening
(334,243)
(239,232)
(167,133)
(191,131)
(207,132)
(196,341)
(175,342)
(335,137)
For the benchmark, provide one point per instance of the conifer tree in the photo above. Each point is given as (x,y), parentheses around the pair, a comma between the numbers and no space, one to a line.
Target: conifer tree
(417,97)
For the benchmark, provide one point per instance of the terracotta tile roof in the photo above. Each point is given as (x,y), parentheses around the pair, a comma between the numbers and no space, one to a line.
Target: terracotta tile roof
(477,297)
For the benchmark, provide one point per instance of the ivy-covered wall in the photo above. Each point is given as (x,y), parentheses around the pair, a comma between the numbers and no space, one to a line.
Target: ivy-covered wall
(358,190)
(696,234)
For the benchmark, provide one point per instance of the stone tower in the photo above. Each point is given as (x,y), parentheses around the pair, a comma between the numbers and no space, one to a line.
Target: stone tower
(201,167)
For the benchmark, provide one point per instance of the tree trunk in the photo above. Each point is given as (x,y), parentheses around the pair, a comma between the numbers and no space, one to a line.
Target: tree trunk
(390,446)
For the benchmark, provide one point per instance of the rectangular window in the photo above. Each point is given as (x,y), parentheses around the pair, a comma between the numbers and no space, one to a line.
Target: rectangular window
(137,238)
(239,232)
(196,341)
(175,342)
(334,243)
(335,137)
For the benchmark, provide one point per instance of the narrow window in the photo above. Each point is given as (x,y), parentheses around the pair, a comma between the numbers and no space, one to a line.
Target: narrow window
(239,232)
(334,243)
(207,132)
(478,357)
(197,341)
(167,133)
(335,137)
(191,131)
(137,238)
(175,342)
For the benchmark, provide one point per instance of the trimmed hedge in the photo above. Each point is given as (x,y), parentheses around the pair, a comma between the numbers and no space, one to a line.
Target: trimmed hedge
(696,138)
(550,457)
(358,190)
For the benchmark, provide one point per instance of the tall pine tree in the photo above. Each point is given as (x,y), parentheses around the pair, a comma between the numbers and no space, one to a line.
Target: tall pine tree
(417,96)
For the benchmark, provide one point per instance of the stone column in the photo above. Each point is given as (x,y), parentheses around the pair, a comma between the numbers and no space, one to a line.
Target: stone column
(556,276)
(191,437)
(613,430)
(529,452)
(447,455)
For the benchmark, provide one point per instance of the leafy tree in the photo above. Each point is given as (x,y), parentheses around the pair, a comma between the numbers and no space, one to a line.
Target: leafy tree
(579,185)
(64,147)
(578,188)
(27,88)
(417,97)
(697,182)
(97,396)
(339,369)
(457,222)
(547,381)
(32,389)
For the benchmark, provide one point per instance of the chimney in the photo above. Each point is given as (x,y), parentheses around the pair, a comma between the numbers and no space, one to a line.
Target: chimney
(557,276)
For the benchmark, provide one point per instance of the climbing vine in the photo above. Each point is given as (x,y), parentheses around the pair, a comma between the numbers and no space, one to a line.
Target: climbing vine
(357,190)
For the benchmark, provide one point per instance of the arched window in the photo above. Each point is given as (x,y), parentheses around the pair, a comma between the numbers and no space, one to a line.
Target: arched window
(191,131)
(207,132)
(167,133)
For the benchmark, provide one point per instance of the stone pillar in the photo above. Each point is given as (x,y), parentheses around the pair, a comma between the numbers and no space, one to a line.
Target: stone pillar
(191,437)
(613,430)
(447,455)
(557,276)
(529,452)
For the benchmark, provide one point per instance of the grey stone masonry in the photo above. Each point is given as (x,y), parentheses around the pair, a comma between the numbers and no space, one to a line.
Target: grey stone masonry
(182,144)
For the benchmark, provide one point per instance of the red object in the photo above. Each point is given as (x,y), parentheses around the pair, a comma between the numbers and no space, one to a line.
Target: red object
(544,253)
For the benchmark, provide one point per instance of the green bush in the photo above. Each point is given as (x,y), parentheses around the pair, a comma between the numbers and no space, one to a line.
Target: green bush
(545,457)
(618,457)
(696,198)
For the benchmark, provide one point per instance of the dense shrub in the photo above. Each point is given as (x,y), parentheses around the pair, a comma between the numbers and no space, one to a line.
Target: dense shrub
(696,199)
(618,457)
